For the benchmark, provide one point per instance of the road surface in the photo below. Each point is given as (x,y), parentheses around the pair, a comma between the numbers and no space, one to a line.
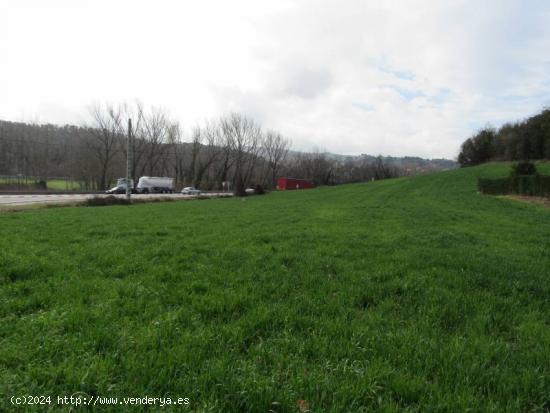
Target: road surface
(14,200)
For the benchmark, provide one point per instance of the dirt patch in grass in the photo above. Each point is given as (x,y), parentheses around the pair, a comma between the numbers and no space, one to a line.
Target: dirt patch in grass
(32,207)
(539,200)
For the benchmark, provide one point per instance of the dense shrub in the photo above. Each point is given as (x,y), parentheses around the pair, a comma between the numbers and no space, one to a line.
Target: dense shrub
(104,201)
(494,186)
(523,184)
(523,180)
(524,168)
(543,185)
(533,185)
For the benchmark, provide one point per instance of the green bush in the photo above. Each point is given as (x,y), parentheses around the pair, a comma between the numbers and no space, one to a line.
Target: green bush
(523,180)
(531,185)
(543,185)
(524,184)
(524,168)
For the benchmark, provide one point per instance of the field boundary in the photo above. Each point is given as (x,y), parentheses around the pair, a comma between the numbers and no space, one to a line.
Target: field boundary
(537,200)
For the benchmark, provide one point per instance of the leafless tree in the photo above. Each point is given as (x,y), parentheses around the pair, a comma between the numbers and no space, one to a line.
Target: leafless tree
(155,133)
(244,137)
(225,160)
(207,139)
(194,153)
(315,166)
(382,170)
(105,131)
(135,112)
(232,149)
(275,152)
(177,149)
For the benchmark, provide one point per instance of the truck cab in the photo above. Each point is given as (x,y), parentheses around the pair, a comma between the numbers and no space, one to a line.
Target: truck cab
(120,187)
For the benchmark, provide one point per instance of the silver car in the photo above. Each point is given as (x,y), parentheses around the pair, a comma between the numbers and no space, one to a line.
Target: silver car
(189,190)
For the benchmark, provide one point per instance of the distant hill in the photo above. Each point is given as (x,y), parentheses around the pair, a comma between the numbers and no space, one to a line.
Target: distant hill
(409,164)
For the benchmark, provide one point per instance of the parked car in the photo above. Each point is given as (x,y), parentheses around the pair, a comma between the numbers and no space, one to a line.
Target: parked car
(189,190)
(250,191)
(115,190)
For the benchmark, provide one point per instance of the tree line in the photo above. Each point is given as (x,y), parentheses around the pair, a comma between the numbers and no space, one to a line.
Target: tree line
(525,140)
(233,150)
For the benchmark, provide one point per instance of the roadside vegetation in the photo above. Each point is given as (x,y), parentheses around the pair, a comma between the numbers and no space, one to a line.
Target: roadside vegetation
(230,151)
(414,294)
(15,183)
(513,141)
(524,180)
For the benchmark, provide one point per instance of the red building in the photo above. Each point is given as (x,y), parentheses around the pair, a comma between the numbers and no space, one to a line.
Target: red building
(293,183)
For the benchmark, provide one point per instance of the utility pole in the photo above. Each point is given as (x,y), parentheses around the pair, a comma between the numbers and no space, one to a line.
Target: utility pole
(129,161)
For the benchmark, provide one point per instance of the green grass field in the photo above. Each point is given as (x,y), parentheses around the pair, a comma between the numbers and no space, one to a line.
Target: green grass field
(412,294)
(61,185)
(53,184)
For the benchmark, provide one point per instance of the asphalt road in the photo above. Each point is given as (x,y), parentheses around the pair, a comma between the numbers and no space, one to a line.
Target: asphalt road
(23,199)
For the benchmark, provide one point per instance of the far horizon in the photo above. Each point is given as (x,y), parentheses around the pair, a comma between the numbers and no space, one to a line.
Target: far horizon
(392,79)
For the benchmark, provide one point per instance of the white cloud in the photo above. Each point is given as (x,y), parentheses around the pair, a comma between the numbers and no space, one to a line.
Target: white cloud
(391,77)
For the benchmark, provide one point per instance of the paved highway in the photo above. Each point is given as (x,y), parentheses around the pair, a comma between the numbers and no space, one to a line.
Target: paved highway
(13,200)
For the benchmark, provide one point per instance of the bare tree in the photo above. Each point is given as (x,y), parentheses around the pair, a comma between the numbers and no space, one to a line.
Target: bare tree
(316,166)
(135,112)
(208,138)
(40,156)
(230,150)
(177,150)
(106,129)
(275,152)
(155,133)
(383,170)
(194,154)
(245,140)
(225,161)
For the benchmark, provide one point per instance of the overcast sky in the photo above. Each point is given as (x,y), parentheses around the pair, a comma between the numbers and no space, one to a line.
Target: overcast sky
(411,77)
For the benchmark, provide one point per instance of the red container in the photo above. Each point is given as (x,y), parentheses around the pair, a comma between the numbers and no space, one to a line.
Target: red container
(293,183)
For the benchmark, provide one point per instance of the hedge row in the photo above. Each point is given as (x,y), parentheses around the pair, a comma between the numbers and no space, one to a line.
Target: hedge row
(537,185)
(544,185)
(494,186)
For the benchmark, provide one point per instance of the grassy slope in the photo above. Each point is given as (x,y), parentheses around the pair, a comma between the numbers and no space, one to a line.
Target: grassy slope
(409,293)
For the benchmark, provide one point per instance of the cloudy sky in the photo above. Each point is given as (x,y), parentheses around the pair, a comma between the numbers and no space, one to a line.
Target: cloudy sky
(411,77)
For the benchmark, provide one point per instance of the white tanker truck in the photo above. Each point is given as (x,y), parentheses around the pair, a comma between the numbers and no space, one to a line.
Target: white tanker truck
(155,185)
(146,185)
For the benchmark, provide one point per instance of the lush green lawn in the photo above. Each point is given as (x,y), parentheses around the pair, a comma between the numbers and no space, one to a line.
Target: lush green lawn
(63,185)
(55,184)
(408,294)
